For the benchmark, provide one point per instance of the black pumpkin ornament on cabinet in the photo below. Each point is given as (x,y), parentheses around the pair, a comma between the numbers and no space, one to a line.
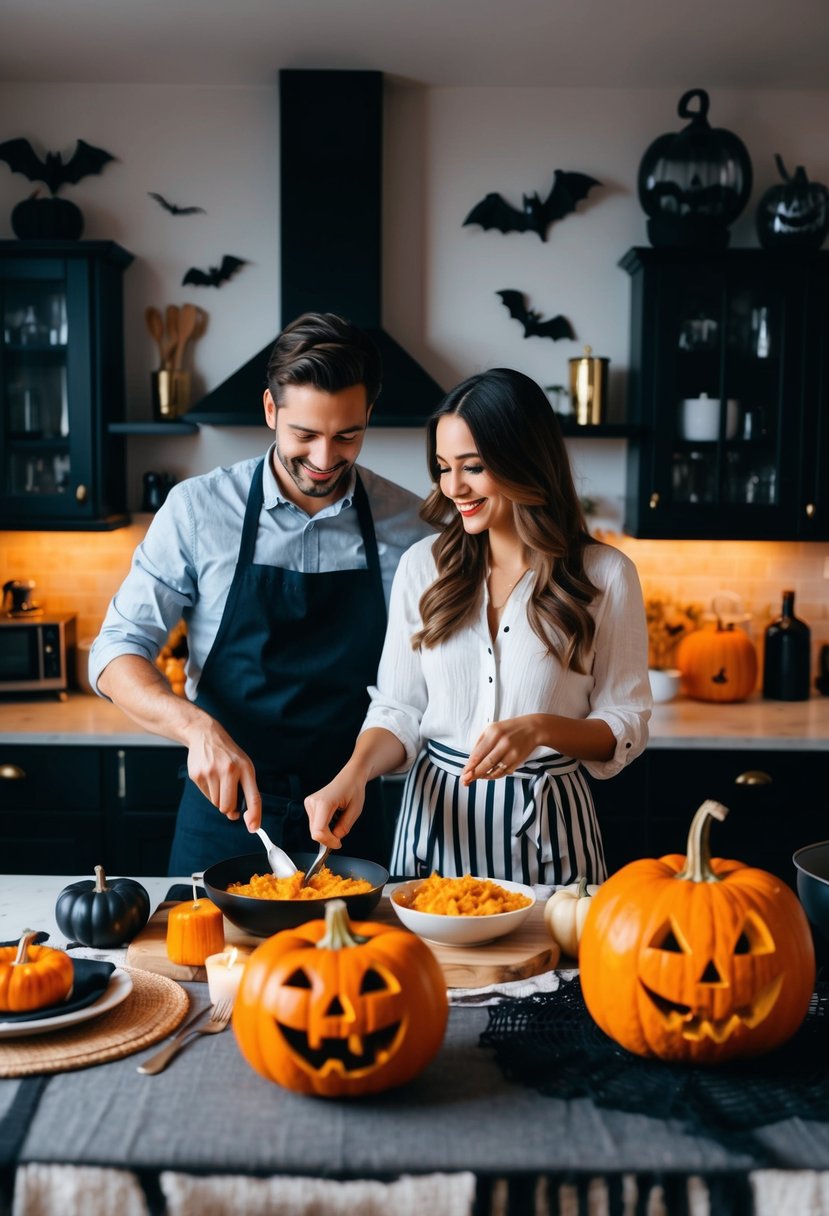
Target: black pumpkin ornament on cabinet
(695,182)
(40,219)
(795,214)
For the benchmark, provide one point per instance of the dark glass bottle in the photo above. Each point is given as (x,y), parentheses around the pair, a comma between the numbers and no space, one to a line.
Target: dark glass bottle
(787,656)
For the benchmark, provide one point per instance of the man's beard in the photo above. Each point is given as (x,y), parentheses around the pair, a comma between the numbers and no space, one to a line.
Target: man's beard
(312,489)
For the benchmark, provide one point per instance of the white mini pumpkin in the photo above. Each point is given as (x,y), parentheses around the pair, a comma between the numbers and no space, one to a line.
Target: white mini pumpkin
(565,912)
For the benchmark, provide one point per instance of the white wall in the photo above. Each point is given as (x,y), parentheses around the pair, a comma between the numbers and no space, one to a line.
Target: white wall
(445,149)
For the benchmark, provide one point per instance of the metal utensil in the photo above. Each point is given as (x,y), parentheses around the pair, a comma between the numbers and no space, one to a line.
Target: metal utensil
(278,859)
(219,1018)
(321,857)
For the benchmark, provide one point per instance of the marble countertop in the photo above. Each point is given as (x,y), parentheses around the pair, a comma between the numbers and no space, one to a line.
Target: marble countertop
(27,901)
(88,720)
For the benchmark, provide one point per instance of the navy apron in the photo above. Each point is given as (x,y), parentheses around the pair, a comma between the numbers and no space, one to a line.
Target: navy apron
(287,678)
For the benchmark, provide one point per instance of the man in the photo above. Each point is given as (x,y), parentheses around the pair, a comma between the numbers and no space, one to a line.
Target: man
(281,568)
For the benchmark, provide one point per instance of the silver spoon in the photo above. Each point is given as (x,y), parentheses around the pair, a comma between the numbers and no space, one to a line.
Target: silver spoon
(321,857)
(279,861)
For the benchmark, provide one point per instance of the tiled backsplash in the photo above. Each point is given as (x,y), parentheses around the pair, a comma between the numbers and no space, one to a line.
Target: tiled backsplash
(79,572)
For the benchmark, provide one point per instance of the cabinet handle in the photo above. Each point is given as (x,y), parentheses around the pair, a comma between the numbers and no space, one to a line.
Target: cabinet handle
(80,493)
(653,501)
(810,510)
(754,776)
(122,775)
(12,772)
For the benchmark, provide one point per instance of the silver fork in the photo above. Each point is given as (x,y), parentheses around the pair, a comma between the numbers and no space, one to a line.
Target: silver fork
(219,1018)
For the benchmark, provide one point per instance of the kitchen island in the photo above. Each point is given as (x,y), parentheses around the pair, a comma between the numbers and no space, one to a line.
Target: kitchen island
(209,1134)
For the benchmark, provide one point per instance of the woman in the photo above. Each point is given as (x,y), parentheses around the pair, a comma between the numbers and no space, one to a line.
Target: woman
(515,657)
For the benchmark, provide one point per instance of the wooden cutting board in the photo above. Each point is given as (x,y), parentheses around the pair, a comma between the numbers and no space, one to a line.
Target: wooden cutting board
(527,951)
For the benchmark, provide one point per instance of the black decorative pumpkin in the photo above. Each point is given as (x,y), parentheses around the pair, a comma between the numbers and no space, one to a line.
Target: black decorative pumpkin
(695,182)
(101,914)
(46,219)
(794,215)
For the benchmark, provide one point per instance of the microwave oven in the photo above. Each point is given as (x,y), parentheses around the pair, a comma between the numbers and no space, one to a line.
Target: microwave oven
(37,654)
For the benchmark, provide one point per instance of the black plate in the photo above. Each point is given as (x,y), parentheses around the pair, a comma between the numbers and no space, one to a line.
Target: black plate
(812,865)
(266,916)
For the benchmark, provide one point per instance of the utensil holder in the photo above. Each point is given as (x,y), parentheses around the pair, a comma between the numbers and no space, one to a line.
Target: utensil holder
(588,388)
(170,394)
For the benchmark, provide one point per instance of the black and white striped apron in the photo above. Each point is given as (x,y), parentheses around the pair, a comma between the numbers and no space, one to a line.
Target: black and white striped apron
(537,825)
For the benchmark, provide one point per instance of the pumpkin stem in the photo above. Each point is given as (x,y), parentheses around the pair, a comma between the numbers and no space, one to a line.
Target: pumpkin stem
(22,956)
(698,854)
(100,880)
(582,891)
(781,168)
(338,932)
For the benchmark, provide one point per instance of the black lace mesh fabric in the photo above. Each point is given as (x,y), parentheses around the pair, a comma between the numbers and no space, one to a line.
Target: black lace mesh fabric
(549,1041)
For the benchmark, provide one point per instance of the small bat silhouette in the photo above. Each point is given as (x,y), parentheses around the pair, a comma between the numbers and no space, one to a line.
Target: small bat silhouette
(567,190)
(215,275)
(534,327)
(20,156)
(173,209)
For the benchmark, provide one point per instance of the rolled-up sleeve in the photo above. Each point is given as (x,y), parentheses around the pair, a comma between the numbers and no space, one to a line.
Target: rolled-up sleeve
(399,698)
(157,591)
(621,693)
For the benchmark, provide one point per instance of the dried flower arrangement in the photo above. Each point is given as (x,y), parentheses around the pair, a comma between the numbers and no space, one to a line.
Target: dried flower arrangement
(668,623)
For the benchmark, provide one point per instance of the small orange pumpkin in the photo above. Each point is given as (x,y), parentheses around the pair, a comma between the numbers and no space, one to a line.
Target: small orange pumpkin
(718,664)
(696,959)
(340,1010)
(32,977)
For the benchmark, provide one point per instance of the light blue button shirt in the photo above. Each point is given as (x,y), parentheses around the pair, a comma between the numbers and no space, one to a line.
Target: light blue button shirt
(185,564)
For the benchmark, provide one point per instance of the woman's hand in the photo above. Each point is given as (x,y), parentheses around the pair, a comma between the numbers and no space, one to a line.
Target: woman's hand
(346,795)
(502,748)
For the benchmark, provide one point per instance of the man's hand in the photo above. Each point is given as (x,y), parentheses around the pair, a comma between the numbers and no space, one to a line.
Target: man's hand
(224,773)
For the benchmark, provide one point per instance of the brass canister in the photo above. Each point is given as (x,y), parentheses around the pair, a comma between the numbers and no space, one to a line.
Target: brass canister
(170,394)
(588,388)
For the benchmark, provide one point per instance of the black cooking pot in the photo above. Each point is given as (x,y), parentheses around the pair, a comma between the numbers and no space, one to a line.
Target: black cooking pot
(812,865)
(264,917)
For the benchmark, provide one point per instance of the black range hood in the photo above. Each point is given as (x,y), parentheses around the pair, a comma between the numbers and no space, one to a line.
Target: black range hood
(331,162)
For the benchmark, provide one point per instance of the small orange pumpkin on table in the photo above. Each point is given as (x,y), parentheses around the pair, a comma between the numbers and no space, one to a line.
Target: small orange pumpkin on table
(195,930)
(694,958)
(718,664)
(32,977)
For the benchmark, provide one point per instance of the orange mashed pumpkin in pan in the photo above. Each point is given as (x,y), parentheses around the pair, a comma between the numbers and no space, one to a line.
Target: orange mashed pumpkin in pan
(322,886)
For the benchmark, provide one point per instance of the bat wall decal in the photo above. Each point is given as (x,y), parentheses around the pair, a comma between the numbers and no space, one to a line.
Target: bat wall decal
(567,191)
(173,209)
(534,327)
(21,157)
(215,275)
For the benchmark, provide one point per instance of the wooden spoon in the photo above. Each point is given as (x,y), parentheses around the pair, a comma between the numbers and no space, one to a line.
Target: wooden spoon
(188,318)
(171,326)
(155,325)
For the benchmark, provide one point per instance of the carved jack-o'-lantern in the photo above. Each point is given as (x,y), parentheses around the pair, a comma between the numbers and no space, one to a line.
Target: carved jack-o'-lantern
(794,215)
(693,183)
(340,1010)
(696,959)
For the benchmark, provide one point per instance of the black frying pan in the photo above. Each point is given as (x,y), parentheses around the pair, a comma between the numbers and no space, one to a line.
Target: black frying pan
(264,917)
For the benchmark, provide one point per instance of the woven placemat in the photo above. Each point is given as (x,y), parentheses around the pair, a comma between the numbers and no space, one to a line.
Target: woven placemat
(154,1008)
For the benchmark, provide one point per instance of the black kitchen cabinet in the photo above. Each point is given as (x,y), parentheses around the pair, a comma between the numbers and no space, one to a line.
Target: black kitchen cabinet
(729,389)
(51,809)
(144,786)
(61,385)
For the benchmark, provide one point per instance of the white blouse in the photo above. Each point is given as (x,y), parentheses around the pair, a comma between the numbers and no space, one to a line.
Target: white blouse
(452,691)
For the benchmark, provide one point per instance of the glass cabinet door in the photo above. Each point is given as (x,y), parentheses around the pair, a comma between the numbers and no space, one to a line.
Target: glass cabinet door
(42,375)
(722,445)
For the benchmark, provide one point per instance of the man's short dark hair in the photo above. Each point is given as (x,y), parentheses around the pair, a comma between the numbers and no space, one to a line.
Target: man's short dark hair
(323,350)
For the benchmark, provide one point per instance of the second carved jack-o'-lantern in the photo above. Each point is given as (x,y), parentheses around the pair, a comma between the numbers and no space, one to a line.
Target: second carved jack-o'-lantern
(795,214)
(696,959)
(340,1010)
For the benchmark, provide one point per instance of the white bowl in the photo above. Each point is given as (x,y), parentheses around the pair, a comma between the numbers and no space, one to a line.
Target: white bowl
(459,930)
(665,682)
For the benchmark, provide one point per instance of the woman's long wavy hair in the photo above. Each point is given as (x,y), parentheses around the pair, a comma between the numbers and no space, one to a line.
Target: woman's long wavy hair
(519,441)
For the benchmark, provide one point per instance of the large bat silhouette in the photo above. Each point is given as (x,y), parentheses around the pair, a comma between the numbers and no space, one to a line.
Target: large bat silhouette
(20,156)
(534,327)
(173,209)
(215,275)
(567,190)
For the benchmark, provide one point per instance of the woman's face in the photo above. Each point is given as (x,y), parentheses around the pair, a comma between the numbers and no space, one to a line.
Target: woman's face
(464,480)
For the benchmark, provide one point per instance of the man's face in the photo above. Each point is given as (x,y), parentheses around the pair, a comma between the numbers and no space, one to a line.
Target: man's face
(318,438)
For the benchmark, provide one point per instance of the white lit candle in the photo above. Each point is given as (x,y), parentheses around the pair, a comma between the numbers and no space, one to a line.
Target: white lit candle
(224,974)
